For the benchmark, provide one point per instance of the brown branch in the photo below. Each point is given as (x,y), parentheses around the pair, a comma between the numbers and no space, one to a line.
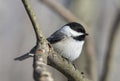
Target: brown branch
(68,16)
(65,67)
(108,64)
(34,21)
(40,58)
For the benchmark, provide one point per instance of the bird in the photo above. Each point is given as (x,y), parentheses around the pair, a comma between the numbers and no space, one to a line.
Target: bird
(68,41)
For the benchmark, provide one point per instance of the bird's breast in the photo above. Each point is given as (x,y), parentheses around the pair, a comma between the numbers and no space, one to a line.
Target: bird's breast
(69,48)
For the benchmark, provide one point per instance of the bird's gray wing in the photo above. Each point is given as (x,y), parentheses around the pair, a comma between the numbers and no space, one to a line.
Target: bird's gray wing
(56,37)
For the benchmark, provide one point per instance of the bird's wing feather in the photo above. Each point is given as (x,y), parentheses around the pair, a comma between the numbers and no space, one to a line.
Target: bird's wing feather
(56,37)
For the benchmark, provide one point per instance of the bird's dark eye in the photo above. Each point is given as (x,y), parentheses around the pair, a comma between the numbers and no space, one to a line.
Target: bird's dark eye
(80,38)
(80,30)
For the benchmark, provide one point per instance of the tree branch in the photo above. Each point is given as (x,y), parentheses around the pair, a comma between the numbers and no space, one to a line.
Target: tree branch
(41,51)
(34,21)
(65,67)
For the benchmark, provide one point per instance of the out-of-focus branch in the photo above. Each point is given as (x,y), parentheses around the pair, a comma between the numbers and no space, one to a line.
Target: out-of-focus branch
(108,64)
(60,10)
(41,53)
(91,58)
(67,15)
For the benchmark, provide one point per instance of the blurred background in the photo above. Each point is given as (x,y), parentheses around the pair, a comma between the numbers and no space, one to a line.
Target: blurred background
(101,17)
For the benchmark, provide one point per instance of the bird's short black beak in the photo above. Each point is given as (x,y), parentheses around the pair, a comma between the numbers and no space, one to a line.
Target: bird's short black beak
(86,34)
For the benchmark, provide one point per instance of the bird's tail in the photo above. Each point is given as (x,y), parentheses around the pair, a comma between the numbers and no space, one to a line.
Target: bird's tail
(23,57)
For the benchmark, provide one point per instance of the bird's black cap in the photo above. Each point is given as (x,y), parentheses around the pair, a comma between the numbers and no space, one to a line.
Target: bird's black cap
(76,26)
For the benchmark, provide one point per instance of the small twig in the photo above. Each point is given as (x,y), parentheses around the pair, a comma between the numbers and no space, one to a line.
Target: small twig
(34,21)
(40,58)
(108,64)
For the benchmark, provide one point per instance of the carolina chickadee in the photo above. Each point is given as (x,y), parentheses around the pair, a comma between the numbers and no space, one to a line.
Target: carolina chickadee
(68,40)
